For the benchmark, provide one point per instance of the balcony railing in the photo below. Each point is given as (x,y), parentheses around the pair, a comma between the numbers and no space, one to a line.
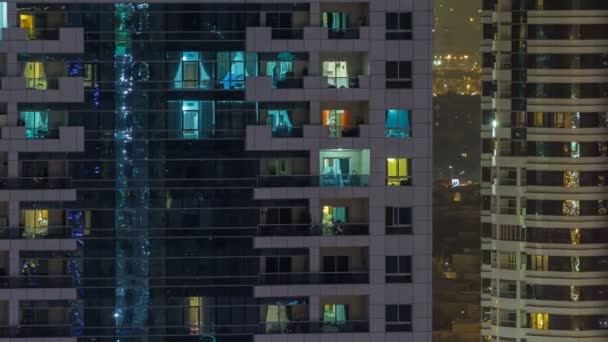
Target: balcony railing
(287,33)
(33,133)
(313,278)
(287,132)
(342,82)
(346,132)
(348,33)
(45,331)
(25,183)
(55,281)
(399,181)
(36,232)
(340,181)
(295,327)
(290,83)
(43,34)
(402,229)
(307,229)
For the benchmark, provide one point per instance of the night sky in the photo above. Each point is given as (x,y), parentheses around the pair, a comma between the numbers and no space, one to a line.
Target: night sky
(455,32)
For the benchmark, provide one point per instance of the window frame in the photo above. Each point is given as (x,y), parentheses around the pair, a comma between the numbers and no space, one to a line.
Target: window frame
(403,272)
(403,324)
(402,79)
(404,26)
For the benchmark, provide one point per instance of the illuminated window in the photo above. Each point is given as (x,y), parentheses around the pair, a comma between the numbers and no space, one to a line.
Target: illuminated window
(194,314)
(397,123)
(539,119)
(571,179)
(335,313)
(90,74)
(539,262)
(336,119)
(35,76)
(332,217)
(27,21)
(571,208)
(35,223)
(337,74)
(398,172)
(36,124)
(575,236)
(539,321)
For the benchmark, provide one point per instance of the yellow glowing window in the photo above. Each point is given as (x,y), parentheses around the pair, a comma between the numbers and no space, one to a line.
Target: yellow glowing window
(35,223)
(397,171)
(194,314)
(539,321)
(35,76)
(539,263)
(26,21)
(538,119)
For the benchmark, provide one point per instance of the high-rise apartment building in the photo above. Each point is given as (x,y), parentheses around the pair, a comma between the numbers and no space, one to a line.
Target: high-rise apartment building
(545,170)
(215,171)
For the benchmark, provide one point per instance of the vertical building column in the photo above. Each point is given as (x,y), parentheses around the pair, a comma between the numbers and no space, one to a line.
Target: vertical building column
(13,311)
(314,208)
(314,309)
(314,260)
(314,9)
(13,214)
(314,63)
(13,262)
(12,116)
(13,164)
(315,112)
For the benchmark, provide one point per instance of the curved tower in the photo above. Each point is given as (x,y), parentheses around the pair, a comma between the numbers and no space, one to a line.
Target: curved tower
(545,168)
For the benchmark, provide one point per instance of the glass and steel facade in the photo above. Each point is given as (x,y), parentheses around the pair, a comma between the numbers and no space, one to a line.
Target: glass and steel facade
(214,171)
(544,168)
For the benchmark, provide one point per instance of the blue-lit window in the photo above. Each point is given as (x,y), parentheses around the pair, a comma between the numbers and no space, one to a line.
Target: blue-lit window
(191,119)
(278,71)
(36,124)
(280,121)
(233,67)
(397,123)
(194,72)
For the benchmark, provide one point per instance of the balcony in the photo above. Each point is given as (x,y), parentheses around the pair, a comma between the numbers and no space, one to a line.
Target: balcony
(36,331)
(293,278)
(265,230)
(308,327)
(37,233)
(54,281)
(330,181)
(30,183)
